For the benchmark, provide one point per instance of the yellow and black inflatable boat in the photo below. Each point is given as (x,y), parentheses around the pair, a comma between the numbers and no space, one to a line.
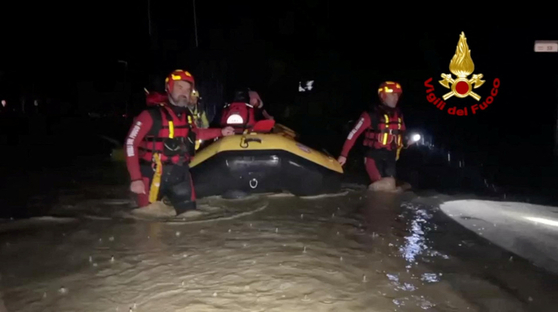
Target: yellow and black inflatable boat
(264,162)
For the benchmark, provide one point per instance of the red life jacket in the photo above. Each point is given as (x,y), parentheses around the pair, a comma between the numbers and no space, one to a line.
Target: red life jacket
(385,131)
(171,136)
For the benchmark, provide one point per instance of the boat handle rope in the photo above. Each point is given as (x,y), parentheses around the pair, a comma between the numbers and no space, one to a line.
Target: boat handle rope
(244,141)
(255,184)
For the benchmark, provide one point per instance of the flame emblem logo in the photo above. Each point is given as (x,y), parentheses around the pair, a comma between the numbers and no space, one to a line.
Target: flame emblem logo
(462,66)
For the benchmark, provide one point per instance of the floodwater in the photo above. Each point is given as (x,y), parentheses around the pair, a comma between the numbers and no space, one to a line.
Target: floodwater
(357,252)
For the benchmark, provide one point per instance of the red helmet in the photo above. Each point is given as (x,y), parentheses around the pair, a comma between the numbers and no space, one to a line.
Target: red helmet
(178,75)
(389,87)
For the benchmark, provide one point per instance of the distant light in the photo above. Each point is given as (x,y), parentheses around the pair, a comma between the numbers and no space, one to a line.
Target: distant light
(309,85)
(304,86)
(36,103)
(416,137)
(4,103)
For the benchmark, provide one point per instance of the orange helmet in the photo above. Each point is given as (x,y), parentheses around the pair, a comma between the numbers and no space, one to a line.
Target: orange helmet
(178,75)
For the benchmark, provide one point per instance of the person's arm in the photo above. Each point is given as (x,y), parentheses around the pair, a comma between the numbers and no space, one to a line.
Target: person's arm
(266,114)
(141,126)
(362,124)
(207,134)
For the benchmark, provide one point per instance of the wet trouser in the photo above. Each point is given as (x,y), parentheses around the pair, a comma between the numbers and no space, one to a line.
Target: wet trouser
(176,184)
(380,164)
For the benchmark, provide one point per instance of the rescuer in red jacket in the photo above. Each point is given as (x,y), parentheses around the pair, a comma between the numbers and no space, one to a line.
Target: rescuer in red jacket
(384,129)
(160,145)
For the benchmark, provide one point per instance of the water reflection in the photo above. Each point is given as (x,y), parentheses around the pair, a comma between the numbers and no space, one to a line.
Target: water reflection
(388,214)
(415,243)
(405,226)
(420,224)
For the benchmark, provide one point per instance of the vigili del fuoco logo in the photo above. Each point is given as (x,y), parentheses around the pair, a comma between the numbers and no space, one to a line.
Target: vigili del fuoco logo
(461,66)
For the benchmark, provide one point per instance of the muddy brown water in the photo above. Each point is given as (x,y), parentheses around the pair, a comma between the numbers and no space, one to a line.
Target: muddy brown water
(357,252)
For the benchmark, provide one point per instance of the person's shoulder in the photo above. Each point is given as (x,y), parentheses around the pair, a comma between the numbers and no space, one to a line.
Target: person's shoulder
(373,110)
(376,107)
(150,113)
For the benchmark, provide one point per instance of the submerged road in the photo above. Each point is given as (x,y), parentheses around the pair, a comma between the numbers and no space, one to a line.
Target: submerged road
(530,231)
(359,252)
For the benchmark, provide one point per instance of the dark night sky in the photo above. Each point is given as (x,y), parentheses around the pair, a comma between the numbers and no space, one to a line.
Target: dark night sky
(92,36)
(354,45)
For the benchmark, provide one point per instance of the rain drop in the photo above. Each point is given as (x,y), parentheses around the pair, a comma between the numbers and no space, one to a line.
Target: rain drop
(182,283)
(44,295)
(177,233)
(229,230)
(63,290)
(337,232)
(111,238)
(340,258)
(276,230)
(90,259)
(302,216)
(250,224)
(111,258)
(332,215)
(214,294)
(304,250)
